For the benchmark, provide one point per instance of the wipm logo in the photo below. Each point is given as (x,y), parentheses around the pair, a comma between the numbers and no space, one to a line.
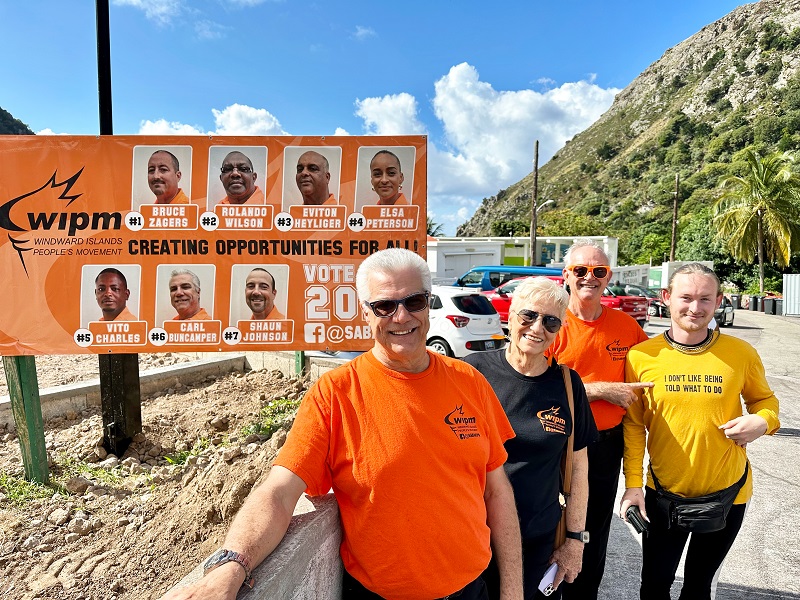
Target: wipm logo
(69,222)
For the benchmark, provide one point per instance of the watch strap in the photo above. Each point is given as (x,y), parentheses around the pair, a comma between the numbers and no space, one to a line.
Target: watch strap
(223,556)
(581,536)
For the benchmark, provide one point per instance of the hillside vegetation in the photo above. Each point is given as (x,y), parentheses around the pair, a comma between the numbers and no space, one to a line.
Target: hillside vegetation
(734,85)
(11,126)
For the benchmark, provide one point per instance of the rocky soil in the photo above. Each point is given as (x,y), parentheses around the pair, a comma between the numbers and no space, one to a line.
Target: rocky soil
(116,528)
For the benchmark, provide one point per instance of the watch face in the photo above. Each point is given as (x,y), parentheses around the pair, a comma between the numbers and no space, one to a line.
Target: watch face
(215,558)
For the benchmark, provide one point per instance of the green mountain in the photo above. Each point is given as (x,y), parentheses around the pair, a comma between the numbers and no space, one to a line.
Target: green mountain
(732,85)
(11,126)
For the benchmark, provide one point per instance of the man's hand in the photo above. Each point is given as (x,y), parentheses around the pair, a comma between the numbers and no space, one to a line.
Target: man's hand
(222,583)
(621,394)
(745,429)
(569,558)
(632,497)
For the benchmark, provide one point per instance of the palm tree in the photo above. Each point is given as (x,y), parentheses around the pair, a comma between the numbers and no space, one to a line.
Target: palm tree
(435,229)
(759,212)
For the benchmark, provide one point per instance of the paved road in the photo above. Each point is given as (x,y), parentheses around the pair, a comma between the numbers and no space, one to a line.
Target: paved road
(765,560)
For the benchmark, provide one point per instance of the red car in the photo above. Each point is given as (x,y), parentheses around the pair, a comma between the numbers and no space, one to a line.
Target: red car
(500,297)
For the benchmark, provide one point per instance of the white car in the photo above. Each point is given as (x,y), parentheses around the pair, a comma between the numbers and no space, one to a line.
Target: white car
(463,321)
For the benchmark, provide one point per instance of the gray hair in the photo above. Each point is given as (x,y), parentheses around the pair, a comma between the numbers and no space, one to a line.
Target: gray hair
(582,243)
(195,278)
(540,288)
(695,268)
(390,261)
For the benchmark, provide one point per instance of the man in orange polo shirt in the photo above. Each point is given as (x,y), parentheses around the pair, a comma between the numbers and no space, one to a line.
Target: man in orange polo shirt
(239,180)
(594,342)
(411,443)
(184,294)
(164,177)
(313,177)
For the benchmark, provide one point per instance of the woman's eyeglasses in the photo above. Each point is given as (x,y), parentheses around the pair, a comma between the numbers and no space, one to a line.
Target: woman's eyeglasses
(413,303)
(529,317)
(580,271)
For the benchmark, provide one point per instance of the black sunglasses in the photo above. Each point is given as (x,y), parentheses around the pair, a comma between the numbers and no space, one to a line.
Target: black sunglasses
(529,317)
(386,308)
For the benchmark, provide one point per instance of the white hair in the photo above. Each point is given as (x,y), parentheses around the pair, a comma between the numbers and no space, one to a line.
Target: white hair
(582,243)
(389,261)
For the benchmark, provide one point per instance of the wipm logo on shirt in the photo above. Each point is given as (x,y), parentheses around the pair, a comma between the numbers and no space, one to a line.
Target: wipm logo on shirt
(551,422)
(616,351)
(462,426)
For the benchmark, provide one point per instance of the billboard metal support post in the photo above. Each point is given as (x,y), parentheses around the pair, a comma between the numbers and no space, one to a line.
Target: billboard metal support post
(23,387)
(120,394)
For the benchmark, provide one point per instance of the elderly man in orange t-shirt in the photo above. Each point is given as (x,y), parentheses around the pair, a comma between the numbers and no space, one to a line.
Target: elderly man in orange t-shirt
(594,342)
(411,443)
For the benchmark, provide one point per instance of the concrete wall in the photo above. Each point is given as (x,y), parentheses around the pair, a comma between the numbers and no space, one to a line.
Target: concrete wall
(57,401)
(306,564)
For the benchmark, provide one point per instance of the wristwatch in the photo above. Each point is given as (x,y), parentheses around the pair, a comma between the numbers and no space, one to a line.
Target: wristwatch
(581,536)
(222,556)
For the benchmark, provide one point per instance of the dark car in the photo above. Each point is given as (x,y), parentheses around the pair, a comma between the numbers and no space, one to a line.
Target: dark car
(725,313)
(655,305)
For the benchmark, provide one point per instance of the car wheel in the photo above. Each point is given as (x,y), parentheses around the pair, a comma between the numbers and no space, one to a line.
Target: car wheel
(652,310)
(439,346)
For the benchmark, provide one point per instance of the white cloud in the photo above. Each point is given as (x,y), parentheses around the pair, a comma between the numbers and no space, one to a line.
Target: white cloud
(362,33)
(390,115)
(240,119)
(160,11)
(209,30)
(489,134)
(48,131)
(236,119)
(340,131)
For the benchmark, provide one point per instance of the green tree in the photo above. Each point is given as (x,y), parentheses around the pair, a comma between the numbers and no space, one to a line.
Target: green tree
(510,228)
(435,229)
(758,212)
(568,222)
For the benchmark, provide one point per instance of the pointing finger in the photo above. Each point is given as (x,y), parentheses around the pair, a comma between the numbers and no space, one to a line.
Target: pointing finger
(641,385)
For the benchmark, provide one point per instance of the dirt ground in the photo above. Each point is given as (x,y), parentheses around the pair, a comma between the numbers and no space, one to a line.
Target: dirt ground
(132,526)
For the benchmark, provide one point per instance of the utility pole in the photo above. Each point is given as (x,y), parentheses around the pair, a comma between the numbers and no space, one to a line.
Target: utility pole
(675,218)
(534,202)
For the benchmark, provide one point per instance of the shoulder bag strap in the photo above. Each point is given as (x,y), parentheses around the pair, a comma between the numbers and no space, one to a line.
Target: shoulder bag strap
(566,461)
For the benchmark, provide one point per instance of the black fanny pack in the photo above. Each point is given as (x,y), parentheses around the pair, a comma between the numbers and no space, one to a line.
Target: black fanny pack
(703,514)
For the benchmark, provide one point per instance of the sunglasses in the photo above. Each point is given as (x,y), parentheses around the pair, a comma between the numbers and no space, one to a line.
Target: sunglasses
(413,303)
(580,271)
(529,317)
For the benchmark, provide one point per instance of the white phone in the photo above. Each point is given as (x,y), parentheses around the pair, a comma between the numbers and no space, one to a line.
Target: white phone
(546,584)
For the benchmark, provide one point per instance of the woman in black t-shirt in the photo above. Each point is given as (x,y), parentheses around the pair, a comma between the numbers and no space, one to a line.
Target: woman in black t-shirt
(531,389)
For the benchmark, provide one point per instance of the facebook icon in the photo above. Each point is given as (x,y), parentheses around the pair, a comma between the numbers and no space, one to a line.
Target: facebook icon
(314,333)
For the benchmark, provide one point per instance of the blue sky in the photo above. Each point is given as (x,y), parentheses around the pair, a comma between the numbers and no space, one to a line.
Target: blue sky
(482,79)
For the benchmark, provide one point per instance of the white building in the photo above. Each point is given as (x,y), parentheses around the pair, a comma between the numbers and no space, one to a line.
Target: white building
(449,258)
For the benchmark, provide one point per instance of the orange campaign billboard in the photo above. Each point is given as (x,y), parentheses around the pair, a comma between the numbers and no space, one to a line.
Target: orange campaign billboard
(129,244)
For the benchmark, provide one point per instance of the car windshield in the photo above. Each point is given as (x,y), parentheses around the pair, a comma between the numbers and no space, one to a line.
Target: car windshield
(474,304)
